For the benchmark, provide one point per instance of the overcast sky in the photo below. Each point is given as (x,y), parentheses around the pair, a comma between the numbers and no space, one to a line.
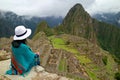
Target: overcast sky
(57,7)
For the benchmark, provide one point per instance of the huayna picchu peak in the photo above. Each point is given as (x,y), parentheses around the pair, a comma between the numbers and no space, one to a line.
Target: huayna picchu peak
(77,22)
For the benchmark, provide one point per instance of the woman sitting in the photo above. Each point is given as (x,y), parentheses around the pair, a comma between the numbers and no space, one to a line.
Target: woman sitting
(23,58)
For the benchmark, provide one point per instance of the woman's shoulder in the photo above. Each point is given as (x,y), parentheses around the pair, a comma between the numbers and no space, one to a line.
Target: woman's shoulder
(24,45)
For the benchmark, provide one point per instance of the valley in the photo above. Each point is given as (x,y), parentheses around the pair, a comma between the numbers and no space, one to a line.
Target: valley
(72,56)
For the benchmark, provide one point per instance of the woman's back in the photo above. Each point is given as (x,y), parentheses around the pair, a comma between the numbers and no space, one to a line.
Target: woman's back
(23,55)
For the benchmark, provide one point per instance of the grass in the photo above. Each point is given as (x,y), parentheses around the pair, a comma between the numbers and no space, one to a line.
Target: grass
(84,59)
(110,67)
(62,66)
(92,75)
(59,43)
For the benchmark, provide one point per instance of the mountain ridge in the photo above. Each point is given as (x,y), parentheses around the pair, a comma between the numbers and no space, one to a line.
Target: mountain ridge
(9,20)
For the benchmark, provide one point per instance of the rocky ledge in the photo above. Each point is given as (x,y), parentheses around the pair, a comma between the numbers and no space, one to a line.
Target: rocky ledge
(37,73)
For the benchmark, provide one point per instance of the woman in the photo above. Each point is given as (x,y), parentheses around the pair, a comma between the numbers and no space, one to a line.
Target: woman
(23,58)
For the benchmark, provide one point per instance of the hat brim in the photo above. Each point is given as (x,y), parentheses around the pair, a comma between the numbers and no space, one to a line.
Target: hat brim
(28,33)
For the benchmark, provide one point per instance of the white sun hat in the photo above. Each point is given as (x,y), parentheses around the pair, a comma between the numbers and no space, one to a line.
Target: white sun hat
(21,33)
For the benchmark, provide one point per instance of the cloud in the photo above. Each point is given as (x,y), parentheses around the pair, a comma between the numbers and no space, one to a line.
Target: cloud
(40,7)
(56,7)
(104,6)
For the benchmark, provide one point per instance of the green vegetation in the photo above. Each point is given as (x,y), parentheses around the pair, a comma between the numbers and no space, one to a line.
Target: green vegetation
(92,75)
(43,26)
(58,43)
(107,36)
(110,67)
(117,76)
(61,44)
(83,59)
(49,31)
(62,65)
(104,59)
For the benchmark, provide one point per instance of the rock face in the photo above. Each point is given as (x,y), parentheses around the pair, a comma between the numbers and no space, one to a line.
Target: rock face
(40,74)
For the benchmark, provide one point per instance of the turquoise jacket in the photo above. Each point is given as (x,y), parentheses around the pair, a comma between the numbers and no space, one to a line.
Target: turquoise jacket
(24,56)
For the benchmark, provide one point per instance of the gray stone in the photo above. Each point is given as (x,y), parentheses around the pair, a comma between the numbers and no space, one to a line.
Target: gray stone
(37,73)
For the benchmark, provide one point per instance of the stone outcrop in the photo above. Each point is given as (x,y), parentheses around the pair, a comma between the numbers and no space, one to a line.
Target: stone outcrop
(4,55)
(37,73)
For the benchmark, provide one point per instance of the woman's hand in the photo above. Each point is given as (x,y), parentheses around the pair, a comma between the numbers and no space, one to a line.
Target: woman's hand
(38,53)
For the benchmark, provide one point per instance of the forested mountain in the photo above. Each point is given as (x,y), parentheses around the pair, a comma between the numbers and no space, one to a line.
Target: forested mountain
(9,20)
(43,26)
(79,22)
(111,18)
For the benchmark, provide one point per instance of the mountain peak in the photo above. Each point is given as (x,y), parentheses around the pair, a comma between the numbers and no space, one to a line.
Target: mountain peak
(77,20)
(76,10)
(78,6)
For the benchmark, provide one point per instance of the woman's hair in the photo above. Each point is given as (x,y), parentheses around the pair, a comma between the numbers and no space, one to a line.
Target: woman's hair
(16,43)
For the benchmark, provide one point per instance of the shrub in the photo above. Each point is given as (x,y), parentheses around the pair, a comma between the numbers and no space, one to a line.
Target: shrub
(104,59)
(117,76)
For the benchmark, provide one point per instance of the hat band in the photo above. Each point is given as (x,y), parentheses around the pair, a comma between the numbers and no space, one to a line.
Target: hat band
(22,34)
